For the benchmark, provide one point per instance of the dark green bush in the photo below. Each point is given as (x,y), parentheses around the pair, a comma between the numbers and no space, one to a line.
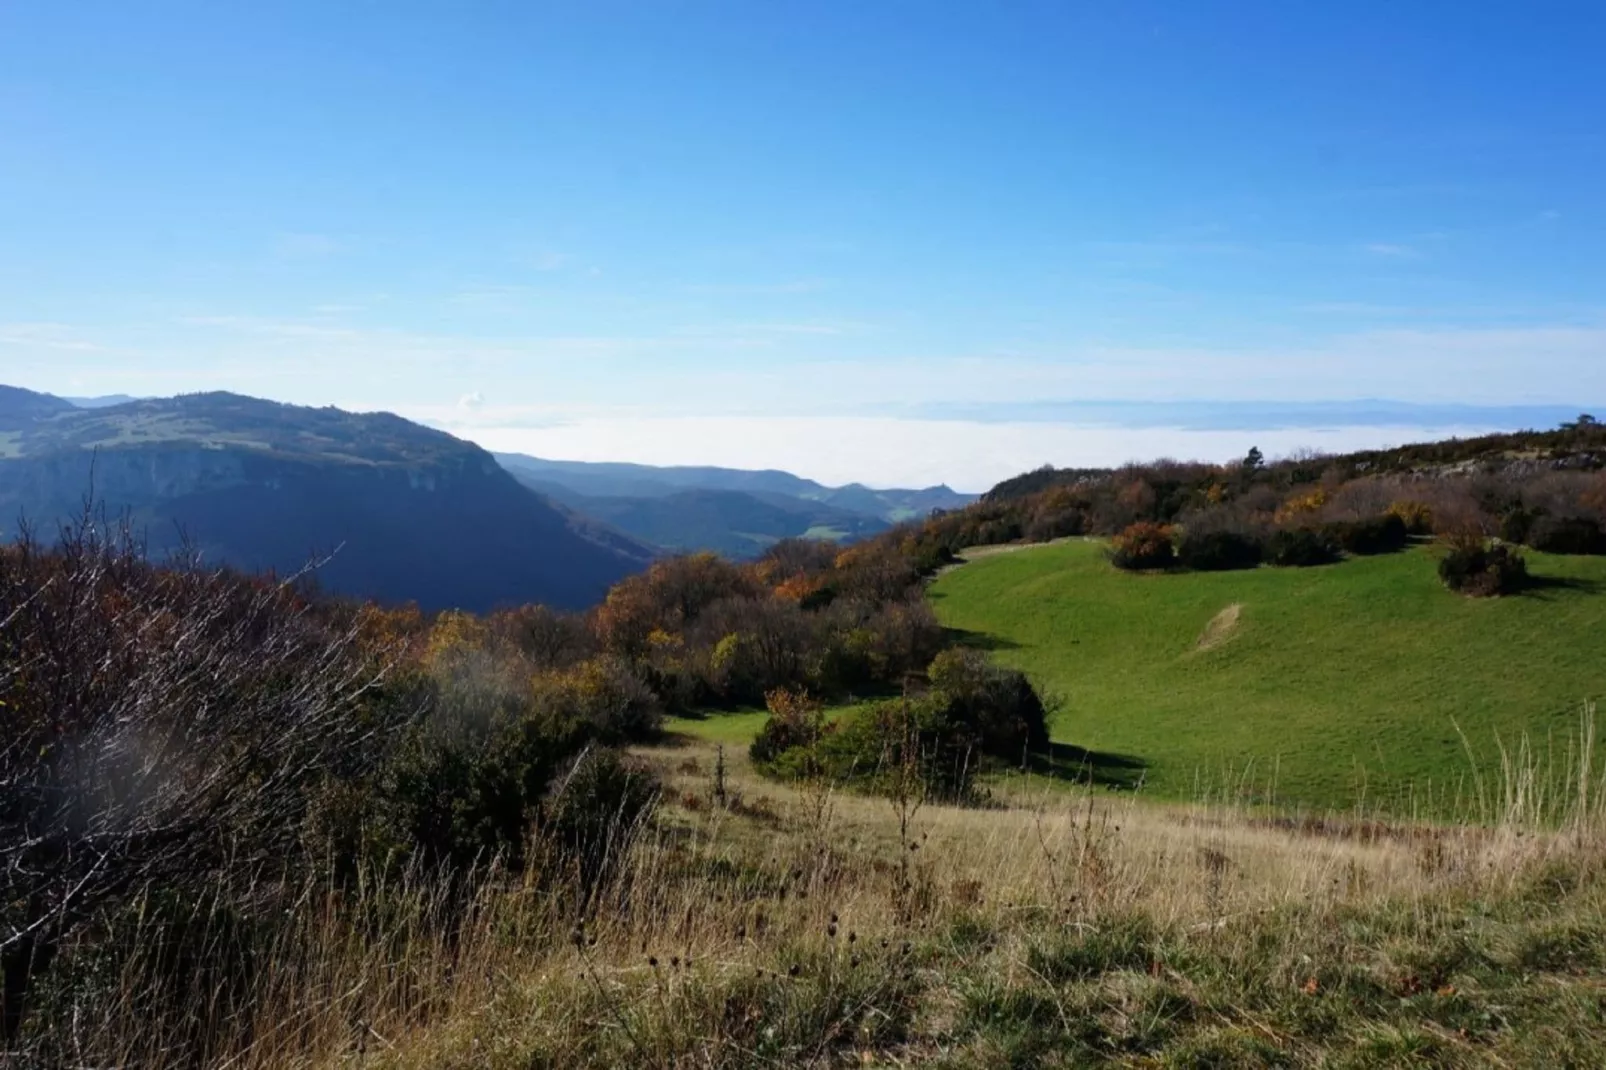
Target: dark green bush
(1302,548)
(1217,551)
(1566,535)
(593,812)
(928,557)
(1057,525)
(1472,567)
(608,697)
(1517,524)
(1378,535)
(1143,545)
(999,707)
(975,715)
(490,768)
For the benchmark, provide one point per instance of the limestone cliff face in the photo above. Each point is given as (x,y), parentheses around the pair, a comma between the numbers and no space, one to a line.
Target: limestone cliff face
(126,475)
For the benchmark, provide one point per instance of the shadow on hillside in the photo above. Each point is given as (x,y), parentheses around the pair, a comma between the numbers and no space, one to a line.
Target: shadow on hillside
(1541,586)
(1066,761)
(978,640)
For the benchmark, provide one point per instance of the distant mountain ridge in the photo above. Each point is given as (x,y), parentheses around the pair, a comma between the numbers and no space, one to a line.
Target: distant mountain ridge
(729,510)
(103,401)
(605,478)
(417,514)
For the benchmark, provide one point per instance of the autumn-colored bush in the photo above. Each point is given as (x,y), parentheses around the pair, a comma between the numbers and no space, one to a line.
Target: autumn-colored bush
(1302,506)
(1060,512)
(609,699)
(1143,545)
(796,721)
(671,594)
(1417,516)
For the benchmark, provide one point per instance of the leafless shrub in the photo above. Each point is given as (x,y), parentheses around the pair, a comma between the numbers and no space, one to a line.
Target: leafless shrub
(160,726)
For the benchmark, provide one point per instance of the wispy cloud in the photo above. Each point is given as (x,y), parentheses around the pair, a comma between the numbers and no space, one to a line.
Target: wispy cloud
(1393,250)
(820,328)
(305,246)
(796,286)
(884,451)
(53,336)
(1248,415)
(501,295)
(811,367)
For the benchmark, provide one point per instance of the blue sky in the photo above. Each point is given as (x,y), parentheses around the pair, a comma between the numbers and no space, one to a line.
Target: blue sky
(890,241)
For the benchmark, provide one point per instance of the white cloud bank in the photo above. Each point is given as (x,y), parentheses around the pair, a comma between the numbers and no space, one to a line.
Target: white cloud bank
(883,451)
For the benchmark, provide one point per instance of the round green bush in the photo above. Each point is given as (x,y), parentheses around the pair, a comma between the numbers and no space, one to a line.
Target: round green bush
(1566,535)
(1302,548)
(1218,551)
(1377,535)
(1482,571)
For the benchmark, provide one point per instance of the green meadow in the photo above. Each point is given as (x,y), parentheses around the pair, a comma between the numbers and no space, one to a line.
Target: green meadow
(1361,682)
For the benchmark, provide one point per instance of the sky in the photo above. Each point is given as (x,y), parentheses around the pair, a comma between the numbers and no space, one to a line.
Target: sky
(888,242)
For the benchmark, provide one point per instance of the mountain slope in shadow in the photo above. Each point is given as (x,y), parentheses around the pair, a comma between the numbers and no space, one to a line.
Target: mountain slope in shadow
(415,514)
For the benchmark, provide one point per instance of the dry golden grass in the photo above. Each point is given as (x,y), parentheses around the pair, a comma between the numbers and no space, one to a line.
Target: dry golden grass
(799,926)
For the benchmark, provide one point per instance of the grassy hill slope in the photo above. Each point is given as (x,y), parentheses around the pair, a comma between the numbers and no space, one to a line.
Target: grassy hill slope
(1335,683)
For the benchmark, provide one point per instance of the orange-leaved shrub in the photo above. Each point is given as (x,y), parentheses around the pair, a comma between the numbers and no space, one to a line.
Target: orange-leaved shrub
(796,721)
(1144,545)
